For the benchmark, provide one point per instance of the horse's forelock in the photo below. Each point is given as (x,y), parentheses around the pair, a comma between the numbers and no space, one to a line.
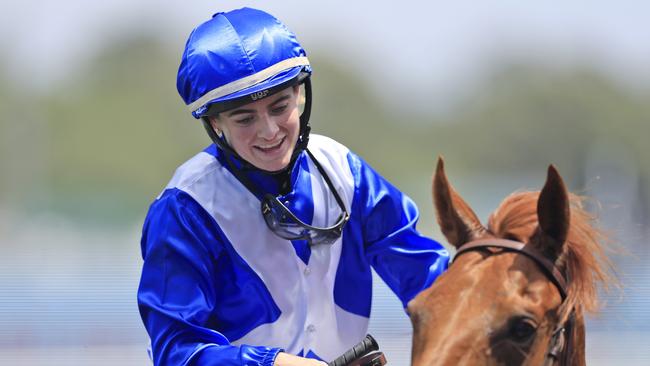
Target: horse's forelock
(516,217)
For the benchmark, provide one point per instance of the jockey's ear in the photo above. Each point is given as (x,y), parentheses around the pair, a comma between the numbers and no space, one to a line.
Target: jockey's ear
(457,221)
(553,214)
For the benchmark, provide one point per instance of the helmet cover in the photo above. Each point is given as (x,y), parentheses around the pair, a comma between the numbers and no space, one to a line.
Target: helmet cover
(238,54)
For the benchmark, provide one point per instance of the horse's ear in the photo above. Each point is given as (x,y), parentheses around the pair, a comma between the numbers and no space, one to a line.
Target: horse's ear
(553,214)
(457,221)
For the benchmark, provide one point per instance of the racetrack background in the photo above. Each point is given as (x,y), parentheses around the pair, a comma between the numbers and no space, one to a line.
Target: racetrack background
(91,129)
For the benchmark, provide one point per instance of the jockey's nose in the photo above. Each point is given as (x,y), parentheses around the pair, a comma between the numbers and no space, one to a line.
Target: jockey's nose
(268,127)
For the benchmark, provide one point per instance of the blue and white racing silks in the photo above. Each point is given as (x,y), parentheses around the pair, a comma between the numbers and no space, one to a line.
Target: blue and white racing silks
(219,288)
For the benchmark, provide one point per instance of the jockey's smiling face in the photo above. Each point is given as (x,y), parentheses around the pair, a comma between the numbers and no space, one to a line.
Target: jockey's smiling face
(263,132)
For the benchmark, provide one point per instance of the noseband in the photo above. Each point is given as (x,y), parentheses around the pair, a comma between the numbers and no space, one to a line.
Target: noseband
(561,346)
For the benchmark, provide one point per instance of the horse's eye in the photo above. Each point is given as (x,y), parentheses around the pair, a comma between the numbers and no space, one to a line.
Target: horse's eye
(522,329)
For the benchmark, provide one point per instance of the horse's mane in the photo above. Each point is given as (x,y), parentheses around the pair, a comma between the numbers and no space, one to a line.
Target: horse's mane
(583,259)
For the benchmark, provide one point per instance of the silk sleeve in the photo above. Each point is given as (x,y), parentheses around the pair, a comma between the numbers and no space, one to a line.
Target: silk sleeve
(407,261)
(176,295)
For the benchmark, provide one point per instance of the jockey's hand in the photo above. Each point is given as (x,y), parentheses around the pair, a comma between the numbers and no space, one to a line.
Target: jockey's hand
(285,359)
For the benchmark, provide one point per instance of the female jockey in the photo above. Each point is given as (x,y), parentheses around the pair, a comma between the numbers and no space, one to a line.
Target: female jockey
(259,250)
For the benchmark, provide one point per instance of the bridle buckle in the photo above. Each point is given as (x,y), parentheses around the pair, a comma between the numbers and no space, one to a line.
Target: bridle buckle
(557,343)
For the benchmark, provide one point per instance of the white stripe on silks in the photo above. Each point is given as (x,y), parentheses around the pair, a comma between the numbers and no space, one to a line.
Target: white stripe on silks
(249,81)
(192,170)
(336,329)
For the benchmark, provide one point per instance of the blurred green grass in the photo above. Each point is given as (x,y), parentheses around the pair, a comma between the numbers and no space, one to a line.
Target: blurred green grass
(102,145)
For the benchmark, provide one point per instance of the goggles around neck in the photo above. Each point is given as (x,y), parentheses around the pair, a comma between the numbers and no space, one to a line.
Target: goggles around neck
(287,225)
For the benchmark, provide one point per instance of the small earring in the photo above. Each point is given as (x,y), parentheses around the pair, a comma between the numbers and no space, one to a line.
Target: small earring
(219,132)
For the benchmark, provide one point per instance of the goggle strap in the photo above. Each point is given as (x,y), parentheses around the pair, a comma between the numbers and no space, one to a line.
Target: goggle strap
(328,182)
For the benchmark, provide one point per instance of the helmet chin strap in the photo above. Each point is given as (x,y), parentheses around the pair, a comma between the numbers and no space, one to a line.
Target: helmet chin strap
(301,144)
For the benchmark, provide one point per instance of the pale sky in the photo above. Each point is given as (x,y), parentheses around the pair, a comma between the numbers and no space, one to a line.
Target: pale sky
(421,48)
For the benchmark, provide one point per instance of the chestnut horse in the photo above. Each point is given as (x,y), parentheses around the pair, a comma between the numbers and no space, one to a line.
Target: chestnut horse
(517,294)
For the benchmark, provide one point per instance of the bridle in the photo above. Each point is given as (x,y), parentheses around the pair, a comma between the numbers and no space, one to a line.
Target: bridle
(560,349)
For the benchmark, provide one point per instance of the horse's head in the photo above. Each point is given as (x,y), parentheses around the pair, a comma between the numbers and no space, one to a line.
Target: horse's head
(496,306)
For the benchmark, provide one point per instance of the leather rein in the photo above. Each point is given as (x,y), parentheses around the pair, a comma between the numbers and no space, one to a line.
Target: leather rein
(560,349)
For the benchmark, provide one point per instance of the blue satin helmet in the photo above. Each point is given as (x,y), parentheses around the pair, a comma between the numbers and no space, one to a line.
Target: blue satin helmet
(238,57)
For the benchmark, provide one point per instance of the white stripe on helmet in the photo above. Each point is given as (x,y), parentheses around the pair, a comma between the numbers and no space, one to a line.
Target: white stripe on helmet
(248,81)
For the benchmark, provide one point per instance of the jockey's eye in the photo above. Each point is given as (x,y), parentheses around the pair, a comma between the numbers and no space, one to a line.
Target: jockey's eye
(522,329)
